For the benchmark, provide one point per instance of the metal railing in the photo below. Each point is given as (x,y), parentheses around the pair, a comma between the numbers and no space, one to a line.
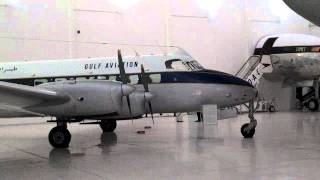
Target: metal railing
(248,67)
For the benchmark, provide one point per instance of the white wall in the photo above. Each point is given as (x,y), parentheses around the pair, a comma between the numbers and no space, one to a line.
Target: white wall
(220,34)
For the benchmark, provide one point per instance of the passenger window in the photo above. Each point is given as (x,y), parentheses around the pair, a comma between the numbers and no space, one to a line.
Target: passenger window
(101,77)
(40,81)
(112,78)
(133,79)
(60,79)
(155,78)
(81,78)
(176,64)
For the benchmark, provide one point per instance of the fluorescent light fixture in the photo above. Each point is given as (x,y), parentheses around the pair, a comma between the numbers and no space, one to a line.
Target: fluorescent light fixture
(210,6)
(124,4)
(16,4)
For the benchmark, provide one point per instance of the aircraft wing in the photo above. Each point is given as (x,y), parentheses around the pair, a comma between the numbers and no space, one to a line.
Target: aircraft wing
(21,96)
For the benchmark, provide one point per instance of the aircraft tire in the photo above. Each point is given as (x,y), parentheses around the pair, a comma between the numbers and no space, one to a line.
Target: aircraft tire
(313,105)
(246,134)
(272,109)
(108,126)
(59,137)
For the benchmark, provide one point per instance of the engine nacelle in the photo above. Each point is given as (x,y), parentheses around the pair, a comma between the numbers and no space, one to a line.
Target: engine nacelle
(139,107)
(87,98)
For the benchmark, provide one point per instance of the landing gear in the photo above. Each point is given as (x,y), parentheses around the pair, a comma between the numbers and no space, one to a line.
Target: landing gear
(108,126)
(313,105)
(272,109)
(60,137)
(248,130)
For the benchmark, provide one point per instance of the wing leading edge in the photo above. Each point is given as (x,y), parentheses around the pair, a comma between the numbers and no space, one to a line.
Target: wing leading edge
(22,96)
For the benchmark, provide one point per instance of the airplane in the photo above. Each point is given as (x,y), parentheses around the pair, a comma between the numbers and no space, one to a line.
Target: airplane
(295,60)
(104,90)
(309,9)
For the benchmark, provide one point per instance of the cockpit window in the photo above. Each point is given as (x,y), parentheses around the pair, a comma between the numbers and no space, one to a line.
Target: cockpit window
(177,64)
(195,65)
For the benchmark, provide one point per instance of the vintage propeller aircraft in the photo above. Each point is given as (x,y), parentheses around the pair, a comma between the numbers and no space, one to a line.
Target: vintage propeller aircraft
(104,90)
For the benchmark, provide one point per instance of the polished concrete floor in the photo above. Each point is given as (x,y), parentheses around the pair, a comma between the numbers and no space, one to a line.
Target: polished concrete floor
(286,146)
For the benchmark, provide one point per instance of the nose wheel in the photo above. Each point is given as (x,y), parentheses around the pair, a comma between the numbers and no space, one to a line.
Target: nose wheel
(249,129)
(60,137)
(246,131)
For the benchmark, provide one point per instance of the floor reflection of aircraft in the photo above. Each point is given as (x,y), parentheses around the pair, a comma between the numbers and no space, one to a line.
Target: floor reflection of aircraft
(103,90)
(60,158)
(108,139)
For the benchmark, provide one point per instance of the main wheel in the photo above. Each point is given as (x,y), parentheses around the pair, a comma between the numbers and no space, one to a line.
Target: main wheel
(272,109)
(247,134)
(108,126)
(59,137)
(313,105)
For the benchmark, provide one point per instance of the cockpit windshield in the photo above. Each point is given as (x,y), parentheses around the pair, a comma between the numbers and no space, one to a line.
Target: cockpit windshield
(177,64)
(194,65)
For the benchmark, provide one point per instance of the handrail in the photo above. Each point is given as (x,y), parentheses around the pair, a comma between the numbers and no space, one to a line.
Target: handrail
(259,58)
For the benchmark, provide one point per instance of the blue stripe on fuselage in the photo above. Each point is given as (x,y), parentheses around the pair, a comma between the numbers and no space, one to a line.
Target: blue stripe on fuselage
(203,76)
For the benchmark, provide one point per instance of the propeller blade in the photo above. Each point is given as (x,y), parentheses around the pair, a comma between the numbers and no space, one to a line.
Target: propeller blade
(151,112)
(124,80)
(127,89)
(129,106)
(145,83)
(123,75)
(144,79)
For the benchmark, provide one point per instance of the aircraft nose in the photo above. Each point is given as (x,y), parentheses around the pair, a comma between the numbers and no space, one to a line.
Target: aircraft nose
(249,92)
(253,93)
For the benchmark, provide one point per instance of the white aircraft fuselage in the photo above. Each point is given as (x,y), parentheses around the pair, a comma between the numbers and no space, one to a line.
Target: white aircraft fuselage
(177,84)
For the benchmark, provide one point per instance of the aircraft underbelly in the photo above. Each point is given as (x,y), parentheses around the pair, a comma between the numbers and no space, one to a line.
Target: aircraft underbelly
(190,97)
(307,9)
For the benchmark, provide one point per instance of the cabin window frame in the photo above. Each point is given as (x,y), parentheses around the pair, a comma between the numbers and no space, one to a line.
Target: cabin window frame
(134,80)
(43,81)
(155,78)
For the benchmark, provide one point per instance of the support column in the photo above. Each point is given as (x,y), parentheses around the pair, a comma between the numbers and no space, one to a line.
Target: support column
(210,114)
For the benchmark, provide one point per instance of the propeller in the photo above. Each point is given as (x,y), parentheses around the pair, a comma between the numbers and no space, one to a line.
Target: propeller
(124,78)
(148,95)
